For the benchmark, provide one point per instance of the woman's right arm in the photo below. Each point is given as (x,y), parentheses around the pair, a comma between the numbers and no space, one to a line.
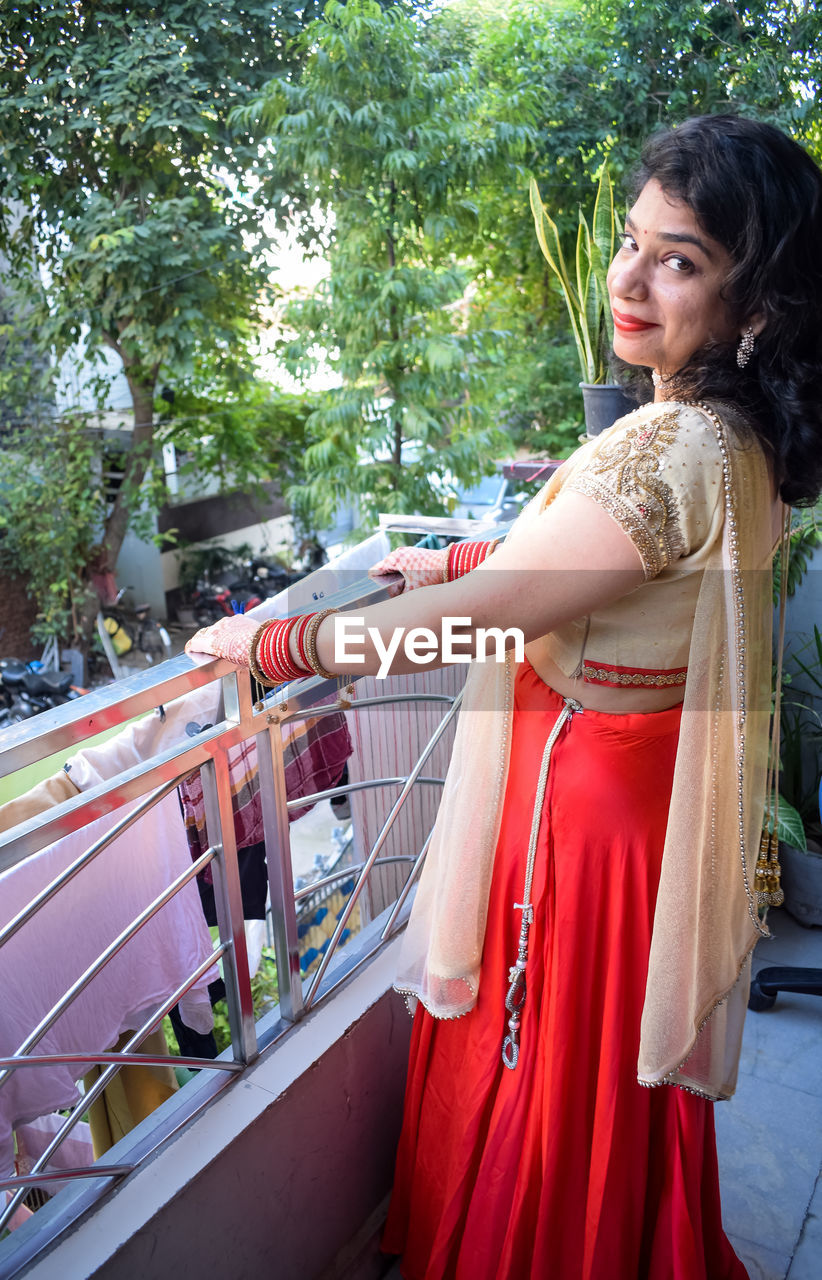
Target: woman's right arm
(575,559)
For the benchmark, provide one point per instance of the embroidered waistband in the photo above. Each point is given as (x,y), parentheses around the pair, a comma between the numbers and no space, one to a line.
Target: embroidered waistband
(633,676)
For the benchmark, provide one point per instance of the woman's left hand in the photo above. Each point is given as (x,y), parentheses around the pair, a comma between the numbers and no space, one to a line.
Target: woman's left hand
(228,638)
(419,566)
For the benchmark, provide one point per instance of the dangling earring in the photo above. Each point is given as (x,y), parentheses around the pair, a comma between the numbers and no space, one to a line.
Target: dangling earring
(656,377)
(745,349)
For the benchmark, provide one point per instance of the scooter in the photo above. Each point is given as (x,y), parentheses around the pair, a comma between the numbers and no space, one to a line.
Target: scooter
(134,630)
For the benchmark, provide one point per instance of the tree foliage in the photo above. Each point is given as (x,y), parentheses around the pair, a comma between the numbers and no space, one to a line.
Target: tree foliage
(141,141)
(128,215)
(591,80)
(391,139)
(50,517)
(244,435)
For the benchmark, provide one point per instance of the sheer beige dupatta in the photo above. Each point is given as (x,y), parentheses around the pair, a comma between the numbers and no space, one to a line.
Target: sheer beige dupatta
(442,947)
(706,922)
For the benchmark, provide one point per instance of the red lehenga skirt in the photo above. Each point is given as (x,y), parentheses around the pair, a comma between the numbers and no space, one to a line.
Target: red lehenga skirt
(564,1168)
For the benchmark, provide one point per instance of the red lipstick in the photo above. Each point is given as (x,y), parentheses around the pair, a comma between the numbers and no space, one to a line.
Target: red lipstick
(630,324)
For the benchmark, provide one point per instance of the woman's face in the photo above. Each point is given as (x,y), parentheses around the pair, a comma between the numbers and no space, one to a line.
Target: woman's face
(664,285)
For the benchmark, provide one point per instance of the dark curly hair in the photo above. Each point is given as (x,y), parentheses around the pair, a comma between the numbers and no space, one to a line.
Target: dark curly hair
(758,194)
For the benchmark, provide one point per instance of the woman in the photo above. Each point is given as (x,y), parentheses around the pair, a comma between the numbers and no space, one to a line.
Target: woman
(588,901)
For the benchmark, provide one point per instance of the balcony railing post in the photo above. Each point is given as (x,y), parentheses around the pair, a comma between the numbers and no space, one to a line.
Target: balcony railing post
(280,878)
(229,906)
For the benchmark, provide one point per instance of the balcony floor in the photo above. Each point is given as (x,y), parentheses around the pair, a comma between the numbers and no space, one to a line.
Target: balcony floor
(770,1133)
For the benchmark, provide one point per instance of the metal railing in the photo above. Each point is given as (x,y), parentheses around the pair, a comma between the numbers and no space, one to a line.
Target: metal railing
(67,728)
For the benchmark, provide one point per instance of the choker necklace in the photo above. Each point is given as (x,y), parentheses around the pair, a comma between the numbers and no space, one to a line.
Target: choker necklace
(671,384)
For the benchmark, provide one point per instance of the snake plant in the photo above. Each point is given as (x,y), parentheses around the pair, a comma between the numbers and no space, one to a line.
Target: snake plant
(583,281)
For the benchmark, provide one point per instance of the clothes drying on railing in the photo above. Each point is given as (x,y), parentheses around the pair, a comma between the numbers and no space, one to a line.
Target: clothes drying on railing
(41,962)
(51,791)
(315,749)
(314,752)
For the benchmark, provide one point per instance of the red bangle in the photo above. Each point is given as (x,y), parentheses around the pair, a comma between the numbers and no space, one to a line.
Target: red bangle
(463,557)
(273,653)
(267,661)
(266,657)
(284,642)
(262,654)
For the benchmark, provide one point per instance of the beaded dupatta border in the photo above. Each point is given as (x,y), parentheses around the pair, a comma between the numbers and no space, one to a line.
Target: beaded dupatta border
(768,878)
(707,916)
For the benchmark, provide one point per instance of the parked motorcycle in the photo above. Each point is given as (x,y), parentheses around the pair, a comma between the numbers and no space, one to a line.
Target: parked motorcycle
(27,688)
(268,577)
(261,579)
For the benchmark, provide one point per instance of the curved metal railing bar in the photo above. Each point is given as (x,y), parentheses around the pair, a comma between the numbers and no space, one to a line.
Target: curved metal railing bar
(361,704)
(344,874)
(122,1059)
(349,787)
(86,1171)
(85,858)
(378,844)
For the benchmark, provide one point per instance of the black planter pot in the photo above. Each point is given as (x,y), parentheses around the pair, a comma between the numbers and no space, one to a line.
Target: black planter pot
(604,402)
(802,882)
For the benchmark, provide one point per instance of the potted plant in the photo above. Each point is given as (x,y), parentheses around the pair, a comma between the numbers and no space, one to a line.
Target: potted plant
(585,292)
(800,759)
(799,826)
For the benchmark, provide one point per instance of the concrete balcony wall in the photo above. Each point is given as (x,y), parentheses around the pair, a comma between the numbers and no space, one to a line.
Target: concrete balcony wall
(280,1172)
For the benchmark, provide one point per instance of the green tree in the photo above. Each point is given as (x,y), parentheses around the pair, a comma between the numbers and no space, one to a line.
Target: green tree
(599,77)
(128,218)
(392,142)
(56,470)
(245,435)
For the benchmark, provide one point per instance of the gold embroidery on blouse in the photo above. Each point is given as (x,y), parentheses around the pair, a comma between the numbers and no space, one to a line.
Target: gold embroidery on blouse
(633,677)
(623,477)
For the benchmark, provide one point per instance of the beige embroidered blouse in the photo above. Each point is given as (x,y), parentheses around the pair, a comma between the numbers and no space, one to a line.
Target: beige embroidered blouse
(658,473)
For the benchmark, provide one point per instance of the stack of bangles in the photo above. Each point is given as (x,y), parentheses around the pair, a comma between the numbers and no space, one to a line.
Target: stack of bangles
(270,658)
(465,556)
